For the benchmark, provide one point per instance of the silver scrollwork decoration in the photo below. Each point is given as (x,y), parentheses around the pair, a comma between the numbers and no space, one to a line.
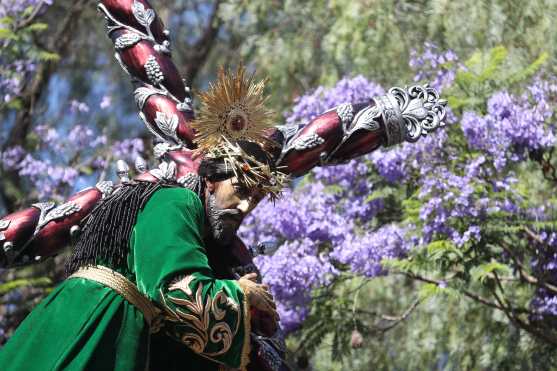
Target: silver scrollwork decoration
(410,113)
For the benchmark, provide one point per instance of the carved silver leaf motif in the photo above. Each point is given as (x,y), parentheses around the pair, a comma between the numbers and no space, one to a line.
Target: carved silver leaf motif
(144,16)
(162,149)
(150,127)
(308,141)
(167,123)
(190,181)
(127,40)
(106,187)
(346,113)
(165,171)
(142,94)
(366,119)
(44,207)
(288,131)
(153,70)
(59,212)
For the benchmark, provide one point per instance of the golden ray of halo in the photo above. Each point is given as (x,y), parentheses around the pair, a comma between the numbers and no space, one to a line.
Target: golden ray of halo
(232,109)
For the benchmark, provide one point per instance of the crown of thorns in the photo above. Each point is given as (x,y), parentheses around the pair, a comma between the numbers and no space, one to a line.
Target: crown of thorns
(232,114)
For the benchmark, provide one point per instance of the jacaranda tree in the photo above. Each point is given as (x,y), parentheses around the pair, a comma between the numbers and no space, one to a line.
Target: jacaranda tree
(467,212)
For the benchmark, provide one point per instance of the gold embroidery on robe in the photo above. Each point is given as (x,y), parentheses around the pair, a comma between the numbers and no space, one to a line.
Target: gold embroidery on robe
(192,312)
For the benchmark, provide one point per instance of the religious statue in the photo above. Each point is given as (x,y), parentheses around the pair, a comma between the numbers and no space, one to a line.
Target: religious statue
(158,278)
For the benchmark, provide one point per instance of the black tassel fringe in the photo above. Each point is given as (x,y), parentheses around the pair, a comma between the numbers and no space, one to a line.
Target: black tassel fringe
(106,234)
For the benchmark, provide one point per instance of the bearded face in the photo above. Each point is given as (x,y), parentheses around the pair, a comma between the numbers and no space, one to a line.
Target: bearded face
(223,223)
(226,204)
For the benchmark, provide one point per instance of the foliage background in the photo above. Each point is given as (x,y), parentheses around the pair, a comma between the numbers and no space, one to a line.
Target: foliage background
(67,114)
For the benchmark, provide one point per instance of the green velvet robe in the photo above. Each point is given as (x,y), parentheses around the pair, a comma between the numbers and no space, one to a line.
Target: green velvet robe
(83,325)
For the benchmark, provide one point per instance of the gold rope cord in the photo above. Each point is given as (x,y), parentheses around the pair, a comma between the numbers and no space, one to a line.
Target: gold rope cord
(122,286)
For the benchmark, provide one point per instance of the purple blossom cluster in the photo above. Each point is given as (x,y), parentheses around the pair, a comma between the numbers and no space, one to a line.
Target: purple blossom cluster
(513,125)
(127,149)
(364,253)
(325,223)
(15,68)
(320,222)
(545,267)
(351,90)
(12,76)
(14,8)
(54,167)
(435,66)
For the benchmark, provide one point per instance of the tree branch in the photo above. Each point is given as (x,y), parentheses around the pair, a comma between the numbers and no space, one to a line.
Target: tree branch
(524,275)
(31,94)
(509,313)
(196,56)
(469,294)
(30,19)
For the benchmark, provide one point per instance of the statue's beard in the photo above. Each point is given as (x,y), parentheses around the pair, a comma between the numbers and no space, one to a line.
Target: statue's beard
(223,222)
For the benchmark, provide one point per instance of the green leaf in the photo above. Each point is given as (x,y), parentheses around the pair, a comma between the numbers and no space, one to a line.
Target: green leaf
(48,56)
(37,27)
(403,265)
(12,285)
(530,70)
(28,11)
(496,57)
(15,104)
(440,249)
(6,20)
(482,272)
(428,290)
(7,34)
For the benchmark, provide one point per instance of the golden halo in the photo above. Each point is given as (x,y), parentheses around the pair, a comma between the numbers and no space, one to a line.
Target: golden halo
(232,109)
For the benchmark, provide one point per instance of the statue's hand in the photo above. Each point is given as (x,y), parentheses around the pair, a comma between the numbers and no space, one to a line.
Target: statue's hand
(264,316)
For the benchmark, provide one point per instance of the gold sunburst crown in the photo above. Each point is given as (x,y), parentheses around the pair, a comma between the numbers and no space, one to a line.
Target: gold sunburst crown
(233,109)
(232,113)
